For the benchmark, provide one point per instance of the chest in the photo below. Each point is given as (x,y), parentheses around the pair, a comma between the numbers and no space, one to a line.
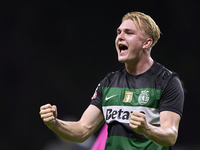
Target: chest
(146,97)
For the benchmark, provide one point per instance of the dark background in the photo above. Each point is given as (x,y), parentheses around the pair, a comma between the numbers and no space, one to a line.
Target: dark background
(58,51)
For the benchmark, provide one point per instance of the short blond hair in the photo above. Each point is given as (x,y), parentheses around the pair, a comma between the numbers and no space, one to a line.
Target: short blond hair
(146,23)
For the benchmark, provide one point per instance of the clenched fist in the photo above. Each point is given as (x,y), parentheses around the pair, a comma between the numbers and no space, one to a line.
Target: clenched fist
(138,122)
(48,114)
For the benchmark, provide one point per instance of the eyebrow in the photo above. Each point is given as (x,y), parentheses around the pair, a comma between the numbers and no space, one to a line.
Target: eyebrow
(126,30)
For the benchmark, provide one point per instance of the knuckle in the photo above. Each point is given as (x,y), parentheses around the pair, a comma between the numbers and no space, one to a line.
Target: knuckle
(48,104)
(47,120)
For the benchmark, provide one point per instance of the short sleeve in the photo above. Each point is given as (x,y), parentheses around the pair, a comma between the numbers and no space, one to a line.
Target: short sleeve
(172,98)
(97,97)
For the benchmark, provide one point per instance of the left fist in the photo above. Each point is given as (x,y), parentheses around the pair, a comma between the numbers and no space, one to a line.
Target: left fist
(138,122)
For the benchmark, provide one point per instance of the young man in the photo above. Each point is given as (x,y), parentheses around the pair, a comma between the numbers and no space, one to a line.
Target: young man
(142,103)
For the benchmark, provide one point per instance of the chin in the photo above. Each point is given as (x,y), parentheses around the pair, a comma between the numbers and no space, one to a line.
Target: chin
(122,60)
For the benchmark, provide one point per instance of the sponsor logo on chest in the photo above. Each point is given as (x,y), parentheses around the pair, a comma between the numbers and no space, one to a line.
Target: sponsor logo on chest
(122,113)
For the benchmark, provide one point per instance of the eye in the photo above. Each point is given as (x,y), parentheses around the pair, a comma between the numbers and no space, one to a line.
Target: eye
(130,32)
(118,32)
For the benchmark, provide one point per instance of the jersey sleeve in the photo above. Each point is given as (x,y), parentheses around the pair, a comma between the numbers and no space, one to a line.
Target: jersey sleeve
(98,93)
(172,97)
(97,97)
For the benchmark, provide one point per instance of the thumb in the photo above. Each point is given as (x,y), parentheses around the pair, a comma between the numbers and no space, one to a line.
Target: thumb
(55,113)
(54,107)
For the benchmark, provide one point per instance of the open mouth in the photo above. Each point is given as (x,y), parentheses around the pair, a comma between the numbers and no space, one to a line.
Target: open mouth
(122,47)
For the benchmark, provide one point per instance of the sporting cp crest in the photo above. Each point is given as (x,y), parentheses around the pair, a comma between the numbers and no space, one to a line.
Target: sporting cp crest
(128,96)
(143,97)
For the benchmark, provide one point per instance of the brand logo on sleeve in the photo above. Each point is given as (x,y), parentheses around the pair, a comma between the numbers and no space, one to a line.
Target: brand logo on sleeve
(95,95)
(95,92)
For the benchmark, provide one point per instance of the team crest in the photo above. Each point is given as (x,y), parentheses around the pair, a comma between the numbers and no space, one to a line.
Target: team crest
(143,97)
(128,96)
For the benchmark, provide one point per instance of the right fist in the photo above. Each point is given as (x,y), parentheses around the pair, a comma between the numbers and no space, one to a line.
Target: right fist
(48,113)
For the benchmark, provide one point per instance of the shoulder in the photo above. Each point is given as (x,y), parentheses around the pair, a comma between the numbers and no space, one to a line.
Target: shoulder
(163,76)
(162,72)
(114,74)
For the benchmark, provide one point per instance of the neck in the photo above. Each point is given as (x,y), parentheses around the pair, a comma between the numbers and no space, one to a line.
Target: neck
(140,66)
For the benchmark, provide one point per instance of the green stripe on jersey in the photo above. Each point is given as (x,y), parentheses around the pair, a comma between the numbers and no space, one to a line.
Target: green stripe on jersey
(147,97)
(123,143)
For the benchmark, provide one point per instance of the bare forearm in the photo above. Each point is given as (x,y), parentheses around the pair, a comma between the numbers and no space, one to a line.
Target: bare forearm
(71,131)
(78,131)
(164,136)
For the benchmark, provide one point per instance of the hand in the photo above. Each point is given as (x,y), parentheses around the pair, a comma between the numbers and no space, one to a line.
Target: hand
(48,114)
(138,122)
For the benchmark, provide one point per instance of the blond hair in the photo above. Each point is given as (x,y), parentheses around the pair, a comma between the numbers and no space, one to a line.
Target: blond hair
(146,23)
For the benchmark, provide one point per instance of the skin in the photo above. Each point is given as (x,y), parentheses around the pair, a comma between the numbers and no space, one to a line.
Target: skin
(137,60)
(72,131)
(137,57)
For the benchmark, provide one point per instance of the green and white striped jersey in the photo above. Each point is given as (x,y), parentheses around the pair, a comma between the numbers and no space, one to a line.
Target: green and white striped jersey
(121,93)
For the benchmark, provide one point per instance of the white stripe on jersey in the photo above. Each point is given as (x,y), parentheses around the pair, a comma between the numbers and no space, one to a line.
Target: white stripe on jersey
(122,113)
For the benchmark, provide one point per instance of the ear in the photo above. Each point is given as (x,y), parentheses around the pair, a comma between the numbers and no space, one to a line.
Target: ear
(148,43)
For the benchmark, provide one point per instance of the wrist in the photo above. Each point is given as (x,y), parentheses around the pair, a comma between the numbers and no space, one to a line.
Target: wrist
(147,133)
(52,124)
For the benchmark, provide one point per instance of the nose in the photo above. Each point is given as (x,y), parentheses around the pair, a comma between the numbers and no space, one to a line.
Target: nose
(120,36)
